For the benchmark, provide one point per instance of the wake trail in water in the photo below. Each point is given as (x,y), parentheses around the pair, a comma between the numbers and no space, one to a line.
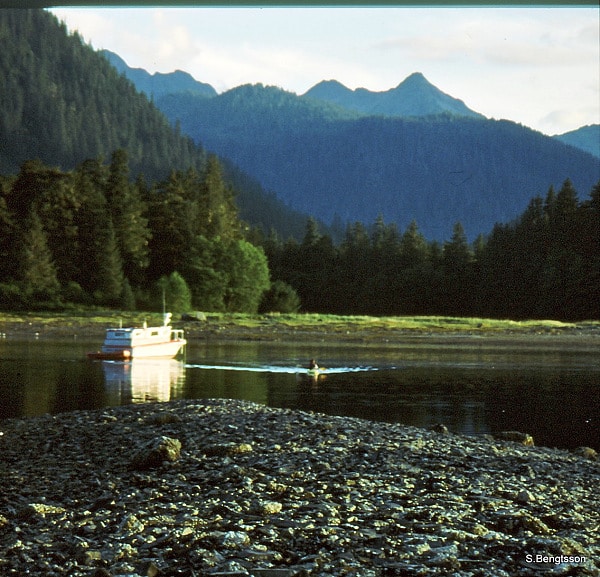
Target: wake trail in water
(277,369)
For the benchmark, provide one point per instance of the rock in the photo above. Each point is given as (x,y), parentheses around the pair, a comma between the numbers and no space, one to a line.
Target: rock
(100,572)
(235,539)
(525,497)
(156,452)
(515,524)
(194,316)
(89,557)
(586,453)
(131,524)
(152,570)
(268,508)
(163,418)
(227,449)
(270,492)
(285,572)
(515,437)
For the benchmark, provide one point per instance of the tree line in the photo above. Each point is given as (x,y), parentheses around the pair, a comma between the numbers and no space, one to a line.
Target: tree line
(93,236)
(545,264)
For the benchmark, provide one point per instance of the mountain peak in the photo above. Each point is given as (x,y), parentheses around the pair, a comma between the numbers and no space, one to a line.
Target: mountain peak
(414,96)
(159,83)
(328,90)
(415,78)
(331,84)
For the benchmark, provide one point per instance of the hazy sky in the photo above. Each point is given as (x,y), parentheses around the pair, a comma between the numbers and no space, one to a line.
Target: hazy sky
(537,66)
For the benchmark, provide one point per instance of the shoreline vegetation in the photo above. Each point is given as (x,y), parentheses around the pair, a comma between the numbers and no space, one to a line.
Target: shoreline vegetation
(274,326)
(232,488)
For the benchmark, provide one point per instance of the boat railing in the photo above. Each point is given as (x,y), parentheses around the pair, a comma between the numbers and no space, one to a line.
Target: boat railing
(177,334)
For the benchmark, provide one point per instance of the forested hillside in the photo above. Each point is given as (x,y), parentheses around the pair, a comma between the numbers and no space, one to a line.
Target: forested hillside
(342,165)
(102,202)
(586,138)
(62,103)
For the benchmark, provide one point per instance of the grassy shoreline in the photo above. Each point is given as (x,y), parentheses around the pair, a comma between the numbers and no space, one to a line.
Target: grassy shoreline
(229,326)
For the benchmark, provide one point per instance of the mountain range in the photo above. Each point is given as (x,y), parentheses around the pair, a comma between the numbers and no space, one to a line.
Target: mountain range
(158,84)
(411,153)
(413,97)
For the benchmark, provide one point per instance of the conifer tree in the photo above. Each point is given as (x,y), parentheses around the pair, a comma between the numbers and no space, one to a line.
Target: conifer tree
(36,271)
(172,221)
(8,260)
(413,247)
(457,269)
(176,293)
(411,291)
(100,264)
(217,211)
(128,213)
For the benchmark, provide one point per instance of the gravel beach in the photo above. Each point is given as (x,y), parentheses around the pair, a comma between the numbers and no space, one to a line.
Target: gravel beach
(229,488)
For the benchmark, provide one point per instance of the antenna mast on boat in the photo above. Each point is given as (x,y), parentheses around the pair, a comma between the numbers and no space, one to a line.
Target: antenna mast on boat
(166,315)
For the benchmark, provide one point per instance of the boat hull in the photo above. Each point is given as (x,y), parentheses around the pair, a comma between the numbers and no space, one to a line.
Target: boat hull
(166,350)
(157,351)
(112,356)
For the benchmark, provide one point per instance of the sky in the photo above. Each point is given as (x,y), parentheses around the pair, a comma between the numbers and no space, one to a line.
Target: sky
(538,66)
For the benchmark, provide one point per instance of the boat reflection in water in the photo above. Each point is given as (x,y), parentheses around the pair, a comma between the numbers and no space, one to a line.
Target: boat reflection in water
(143,380)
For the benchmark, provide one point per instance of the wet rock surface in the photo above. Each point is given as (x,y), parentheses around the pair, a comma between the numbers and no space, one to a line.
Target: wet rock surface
(229,488)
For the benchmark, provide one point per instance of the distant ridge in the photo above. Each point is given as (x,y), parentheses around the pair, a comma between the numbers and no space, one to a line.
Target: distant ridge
(411,153)
(586,138)
(158,84)
(415,96)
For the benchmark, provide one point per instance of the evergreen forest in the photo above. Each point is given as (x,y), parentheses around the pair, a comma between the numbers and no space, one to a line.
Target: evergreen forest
(91,236)
(545,264)
(94,236)
(340,166)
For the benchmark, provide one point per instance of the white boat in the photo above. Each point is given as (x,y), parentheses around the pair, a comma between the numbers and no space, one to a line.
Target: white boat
(128,343)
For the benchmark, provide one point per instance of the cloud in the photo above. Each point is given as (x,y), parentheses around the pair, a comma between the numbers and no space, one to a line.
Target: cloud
(504,37)
(565,118)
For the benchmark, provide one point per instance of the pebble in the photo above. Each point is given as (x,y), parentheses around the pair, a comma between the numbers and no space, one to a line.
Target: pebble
(230,488)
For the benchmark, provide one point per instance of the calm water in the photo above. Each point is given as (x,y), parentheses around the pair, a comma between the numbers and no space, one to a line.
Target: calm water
(552,392)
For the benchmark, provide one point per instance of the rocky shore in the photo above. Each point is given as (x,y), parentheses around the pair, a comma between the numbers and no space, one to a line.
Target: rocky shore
(228,488)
